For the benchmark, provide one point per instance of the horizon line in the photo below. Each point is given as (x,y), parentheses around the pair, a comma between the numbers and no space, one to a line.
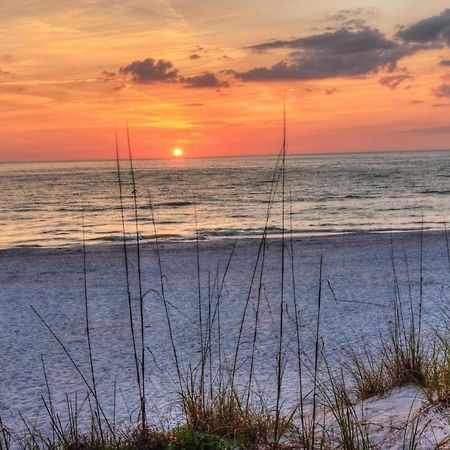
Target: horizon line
(332,153)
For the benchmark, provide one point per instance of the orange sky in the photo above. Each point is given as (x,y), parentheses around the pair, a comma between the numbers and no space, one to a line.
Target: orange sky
(210,76)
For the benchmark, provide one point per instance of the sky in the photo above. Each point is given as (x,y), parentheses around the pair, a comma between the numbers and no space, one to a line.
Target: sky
(211,77)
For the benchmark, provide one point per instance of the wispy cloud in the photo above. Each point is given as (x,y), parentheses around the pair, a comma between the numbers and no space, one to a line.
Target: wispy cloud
(352,18)
(392,81)
(331,91)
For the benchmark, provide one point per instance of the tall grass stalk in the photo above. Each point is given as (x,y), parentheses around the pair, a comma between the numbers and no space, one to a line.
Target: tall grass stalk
(127,269)
(57,428)
(282,275)
(203,350)
(316,357)
(447,244)
(297,322)
(139,274)
(163,292)
(5,436)
(260,259)
(88,331)
(77,368)
(421,280)
(402,358)
(216,313)
(352,431)
(414,430)
(255,327)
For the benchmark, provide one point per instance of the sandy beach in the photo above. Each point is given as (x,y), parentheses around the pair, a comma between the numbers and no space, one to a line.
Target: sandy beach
(358,307)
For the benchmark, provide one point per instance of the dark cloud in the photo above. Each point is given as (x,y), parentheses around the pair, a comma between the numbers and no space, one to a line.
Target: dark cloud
(340,53)
(194,56)
(417,102)
(445,62)
(205,80)
(442,91)
(432,30)
(392,81)
(151,71)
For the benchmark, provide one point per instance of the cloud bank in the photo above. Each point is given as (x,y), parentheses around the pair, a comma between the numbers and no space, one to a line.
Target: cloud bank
(340,53)
(349,51)
(432,30)
(150,71)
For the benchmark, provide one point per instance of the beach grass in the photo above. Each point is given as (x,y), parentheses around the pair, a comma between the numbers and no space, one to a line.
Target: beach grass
(218,394)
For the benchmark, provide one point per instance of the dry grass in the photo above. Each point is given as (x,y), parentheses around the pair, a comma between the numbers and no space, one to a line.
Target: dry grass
(224,415)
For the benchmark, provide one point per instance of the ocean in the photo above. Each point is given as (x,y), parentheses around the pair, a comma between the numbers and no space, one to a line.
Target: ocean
(43,204)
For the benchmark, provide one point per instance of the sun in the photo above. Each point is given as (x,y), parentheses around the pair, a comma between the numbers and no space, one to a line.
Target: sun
(177,153)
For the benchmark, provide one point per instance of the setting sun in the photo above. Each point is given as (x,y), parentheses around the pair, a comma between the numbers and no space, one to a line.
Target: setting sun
(177,153)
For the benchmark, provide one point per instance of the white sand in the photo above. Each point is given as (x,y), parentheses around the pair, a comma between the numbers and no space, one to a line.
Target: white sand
(357,266)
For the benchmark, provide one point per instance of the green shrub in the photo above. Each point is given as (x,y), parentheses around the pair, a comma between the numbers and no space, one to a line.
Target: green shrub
(186,439)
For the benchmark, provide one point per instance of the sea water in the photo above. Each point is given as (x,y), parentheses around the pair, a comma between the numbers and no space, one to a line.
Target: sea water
(44,204)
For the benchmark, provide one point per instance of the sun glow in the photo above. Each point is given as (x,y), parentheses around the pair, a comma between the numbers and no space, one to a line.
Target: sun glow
(177,153)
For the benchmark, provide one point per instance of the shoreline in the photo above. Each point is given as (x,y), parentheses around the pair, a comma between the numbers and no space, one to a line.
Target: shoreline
(226,241)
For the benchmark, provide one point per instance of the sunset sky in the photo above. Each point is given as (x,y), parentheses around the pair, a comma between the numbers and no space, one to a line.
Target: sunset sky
(210,76)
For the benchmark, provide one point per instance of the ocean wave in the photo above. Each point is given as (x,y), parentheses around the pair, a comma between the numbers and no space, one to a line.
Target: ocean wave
(436,192)
(177,204)
(143,238)
(241,231)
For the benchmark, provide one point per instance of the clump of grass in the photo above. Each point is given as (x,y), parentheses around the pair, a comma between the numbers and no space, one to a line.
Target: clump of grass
(404,363)
(368,373)
(402,358)
(403,353)
(438,376)
(349,431)
(224,414)
(399,362)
